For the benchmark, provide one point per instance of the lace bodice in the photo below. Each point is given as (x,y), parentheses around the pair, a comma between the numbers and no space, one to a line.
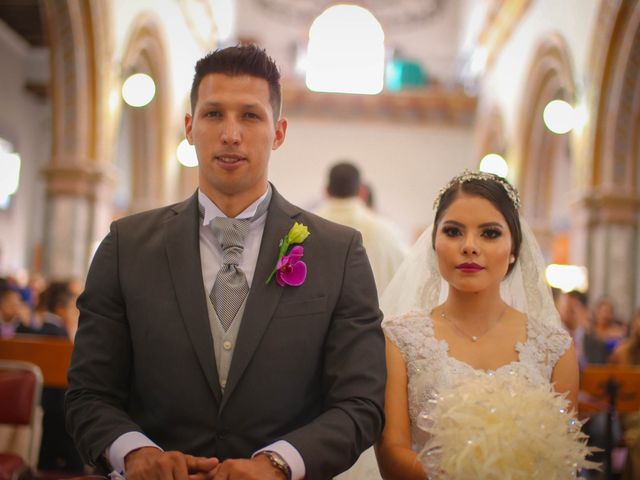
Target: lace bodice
(430,368)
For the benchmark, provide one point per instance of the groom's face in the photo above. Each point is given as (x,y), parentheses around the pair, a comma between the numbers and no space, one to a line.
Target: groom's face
(234,132)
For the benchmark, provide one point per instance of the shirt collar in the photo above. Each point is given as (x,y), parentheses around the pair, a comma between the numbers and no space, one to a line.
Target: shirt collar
(212,211)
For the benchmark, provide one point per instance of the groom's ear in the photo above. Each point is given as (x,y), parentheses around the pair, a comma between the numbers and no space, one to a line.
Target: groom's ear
(281,132)
(188,127)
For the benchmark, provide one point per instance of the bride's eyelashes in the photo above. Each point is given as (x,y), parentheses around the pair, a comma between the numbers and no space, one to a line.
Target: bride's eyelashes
(490,233)
(451,231)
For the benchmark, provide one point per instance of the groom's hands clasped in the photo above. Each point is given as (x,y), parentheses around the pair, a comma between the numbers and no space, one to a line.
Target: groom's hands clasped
(150,463)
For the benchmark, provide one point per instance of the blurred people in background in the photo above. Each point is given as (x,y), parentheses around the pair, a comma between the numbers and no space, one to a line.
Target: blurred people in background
(56,312)
(13,312)
(56,315)
(628,353)
(345,205)
(605,325)
(34,288)
(574,313)
(350,202)
(367,195)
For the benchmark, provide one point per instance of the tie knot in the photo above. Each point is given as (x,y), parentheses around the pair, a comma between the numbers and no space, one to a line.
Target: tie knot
(230,233)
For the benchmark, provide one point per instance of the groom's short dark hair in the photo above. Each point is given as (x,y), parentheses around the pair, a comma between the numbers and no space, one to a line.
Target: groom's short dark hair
(240,60)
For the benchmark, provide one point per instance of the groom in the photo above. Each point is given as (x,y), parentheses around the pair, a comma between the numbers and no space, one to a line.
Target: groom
(187,361)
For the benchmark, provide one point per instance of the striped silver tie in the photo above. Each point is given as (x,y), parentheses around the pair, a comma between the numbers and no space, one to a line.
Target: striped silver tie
(231,287)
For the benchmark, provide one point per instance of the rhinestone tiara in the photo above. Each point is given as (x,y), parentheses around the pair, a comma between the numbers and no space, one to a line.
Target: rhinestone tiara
(468,175)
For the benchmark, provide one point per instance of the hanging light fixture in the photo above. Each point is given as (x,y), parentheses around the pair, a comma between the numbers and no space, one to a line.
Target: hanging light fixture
(567,277)
(559,116)
(494,163)
(138,90)
(186,154)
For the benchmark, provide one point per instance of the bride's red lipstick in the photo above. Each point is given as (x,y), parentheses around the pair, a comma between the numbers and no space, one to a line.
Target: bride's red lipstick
(469,267)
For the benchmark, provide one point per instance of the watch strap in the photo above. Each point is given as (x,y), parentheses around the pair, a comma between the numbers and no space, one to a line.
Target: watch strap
(277,462)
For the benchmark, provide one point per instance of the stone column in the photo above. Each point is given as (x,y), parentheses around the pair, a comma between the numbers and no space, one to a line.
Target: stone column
(77,179)
(605,239)
(76,218)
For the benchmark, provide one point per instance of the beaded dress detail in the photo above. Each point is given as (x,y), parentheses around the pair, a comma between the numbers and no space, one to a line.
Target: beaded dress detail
(430,368)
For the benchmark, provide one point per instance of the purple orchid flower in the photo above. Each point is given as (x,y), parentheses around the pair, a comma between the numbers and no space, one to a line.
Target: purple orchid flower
(290,269)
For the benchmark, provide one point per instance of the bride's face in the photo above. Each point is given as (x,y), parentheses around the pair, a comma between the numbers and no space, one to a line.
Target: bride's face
(473,244)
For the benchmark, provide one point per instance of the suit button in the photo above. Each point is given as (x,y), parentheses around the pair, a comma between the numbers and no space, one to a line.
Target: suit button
(227,345)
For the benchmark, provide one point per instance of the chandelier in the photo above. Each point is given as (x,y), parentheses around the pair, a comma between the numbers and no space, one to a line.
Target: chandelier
(392,14)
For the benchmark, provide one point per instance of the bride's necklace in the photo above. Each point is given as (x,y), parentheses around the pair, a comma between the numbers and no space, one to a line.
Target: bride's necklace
(473,338)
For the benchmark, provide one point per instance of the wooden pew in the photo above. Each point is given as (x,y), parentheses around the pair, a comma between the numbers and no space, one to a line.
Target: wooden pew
(51,354)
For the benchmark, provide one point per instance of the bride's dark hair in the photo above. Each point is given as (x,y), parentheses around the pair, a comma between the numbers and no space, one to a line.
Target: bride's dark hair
(493,189)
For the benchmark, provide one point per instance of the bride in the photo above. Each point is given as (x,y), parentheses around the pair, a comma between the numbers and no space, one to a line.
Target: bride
(469,304)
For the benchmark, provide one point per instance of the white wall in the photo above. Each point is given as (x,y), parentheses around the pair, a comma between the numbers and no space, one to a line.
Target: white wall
(405,164)
(26,122)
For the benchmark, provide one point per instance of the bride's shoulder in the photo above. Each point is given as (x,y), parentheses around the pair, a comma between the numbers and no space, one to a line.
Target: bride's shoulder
(549,335)
(408,331)
(545,327)
(406,326)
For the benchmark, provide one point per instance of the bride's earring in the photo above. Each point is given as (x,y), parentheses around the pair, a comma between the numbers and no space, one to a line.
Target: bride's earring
(512,259)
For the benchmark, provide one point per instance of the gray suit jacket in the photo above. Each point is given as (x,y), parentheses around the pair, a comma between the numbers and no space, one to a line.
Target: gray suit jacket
(308,366)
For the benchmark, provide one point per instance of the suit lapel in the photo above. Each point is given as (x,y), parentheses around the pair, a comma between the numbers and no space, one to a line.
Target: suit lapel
(182,241)
(263,299)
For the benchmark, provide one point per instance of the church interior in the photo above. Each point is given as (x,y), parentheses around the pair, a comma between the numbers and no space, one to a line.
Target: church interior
(413,92)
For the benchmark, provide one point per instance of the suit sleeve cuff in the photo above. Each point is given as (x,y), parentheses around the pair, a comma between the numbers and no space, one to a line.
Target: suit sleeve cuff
(125,444)
(290,455)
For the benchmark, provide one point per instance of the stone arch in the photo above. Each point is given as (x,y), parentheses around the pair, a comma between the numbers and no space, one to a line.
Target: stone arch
(539,152)
(610,155)
(614,99)
(80,43)
(145,52)
(490,134)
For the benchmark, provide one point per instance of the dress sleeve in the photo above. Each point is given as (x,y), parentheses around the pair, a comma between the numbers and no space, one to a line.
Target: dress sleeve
(559,343)
(552,341)
(404,331)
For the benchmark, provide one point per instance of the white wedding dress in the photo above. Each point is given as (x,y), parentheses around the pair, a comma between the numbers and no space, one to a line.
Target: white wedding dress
(430,368)
(417,288)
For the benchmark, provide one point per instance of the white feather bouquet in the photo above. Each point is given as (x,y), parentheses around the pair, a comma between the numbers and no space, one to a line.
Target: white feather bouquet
(502,427)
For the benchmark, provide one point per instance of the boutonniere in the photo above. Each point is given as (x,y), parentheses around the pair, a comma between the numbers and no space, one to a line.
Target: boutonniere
(290,269)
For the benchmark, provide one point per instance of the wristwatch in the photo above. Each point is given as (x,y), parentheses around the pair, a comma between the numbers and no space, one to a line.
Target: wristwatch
(277,462)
